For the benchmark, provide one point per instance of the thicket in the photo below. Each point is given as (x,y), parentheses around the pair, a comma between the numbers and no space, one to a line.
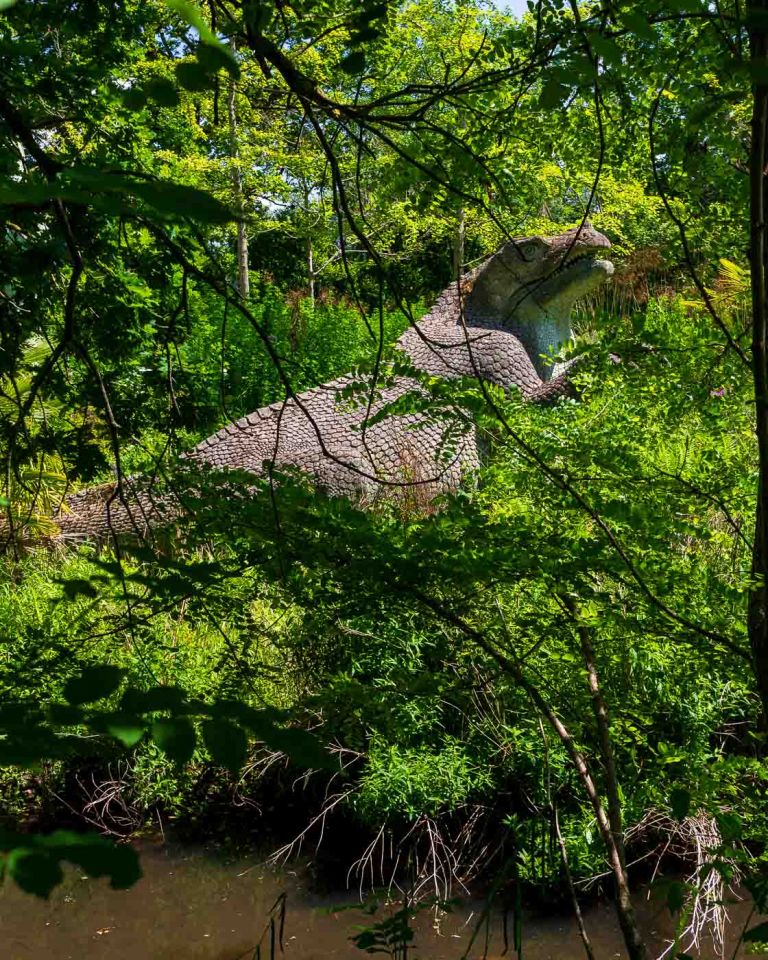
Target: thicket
(236,201)
(439,750)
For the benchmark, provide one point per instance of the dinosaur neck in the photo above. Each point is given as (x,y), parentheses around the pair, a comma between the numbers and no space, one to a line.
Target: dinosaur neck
(542,336)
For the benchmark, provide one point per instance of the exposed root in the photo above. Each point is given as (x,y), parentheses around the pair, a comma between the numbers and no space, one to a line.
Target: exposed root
(695,840)
(293,848)
(109,806)
(439,858)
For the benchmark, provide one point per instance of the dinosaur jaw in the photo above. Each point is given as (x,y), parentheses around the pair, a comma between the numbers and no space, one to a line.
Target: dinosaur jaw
(569,282)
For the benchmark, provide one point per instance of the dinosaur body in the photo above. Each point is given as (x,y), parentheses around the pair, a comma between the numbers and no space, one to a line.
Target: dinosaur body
(496,323)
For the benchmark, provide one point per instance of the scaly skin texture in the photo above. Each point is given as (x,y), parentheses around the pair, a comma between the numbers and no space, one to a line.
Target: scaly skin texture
(498,323)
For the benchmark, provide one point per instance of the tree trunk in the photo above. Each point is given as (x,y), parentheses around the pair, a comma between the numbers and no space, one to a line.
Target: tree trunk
(458,246)
(758,600)
(626,911)
(243,273)
(311,270)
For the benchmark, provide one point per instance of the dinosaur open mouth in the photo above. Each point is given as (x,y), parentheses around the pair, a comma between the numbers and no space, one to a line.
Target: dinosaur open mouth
(573,277)
(572,261)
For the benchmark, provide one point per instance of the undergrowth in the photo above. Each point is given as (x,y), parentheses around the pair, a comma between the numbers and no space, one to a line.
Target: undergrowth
(441,754)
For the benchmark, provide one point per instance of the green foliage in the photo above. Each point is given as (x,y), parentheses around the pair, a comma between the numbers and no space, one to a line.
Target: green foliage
(349,143)
(225,369)
(409,783)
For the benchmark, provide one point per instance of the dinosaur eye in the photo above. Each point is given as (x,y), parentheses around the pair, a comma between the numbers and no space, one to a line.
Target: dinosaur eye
(529,248)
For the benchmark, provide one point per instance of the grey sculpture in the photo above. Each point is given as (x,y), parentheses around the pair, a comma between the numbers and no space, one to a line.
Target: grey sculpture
(502,323)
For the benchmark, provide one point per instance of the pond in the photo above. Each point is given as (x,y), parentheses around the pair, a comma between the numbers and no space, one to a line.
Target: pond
(195,904)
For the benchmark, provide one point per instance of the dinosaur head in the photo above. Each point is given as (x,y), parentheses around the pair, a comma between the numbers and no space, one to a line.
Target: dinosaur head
(531,285)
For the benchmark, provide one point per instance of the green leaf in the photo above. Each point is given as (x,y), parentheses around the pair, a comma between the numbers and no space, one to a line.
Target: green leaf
(374,11)
(226,742)
(258,15)
(73,588)
(605,48)
(125,727)
(96,855)
(685,6)
(94,683)
(354,62)
(680,803)
(758,71)
(64,714)
(638,24)
(9,839)
(193,16)
(96,188)
(675,896)
(301,747)
(35,872)
(180,200)
(162,91)
(366,35)
(553,93)
(758,933)
(175,737)
(729,825)
(23,753)
(156,698)
(193,76)
(164,196)
(215,58)
(756,881)
(758,19)
(5,4)
(191,13)
(134,98)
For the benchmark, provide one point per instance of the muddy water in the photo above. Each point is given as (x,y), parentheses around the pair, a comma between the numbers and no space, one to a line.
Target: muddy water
(196,905)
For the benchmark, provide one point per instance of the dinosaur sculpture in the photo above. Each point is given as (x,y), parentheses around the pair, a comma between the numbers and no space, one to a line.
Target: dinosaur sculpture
(499,322)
